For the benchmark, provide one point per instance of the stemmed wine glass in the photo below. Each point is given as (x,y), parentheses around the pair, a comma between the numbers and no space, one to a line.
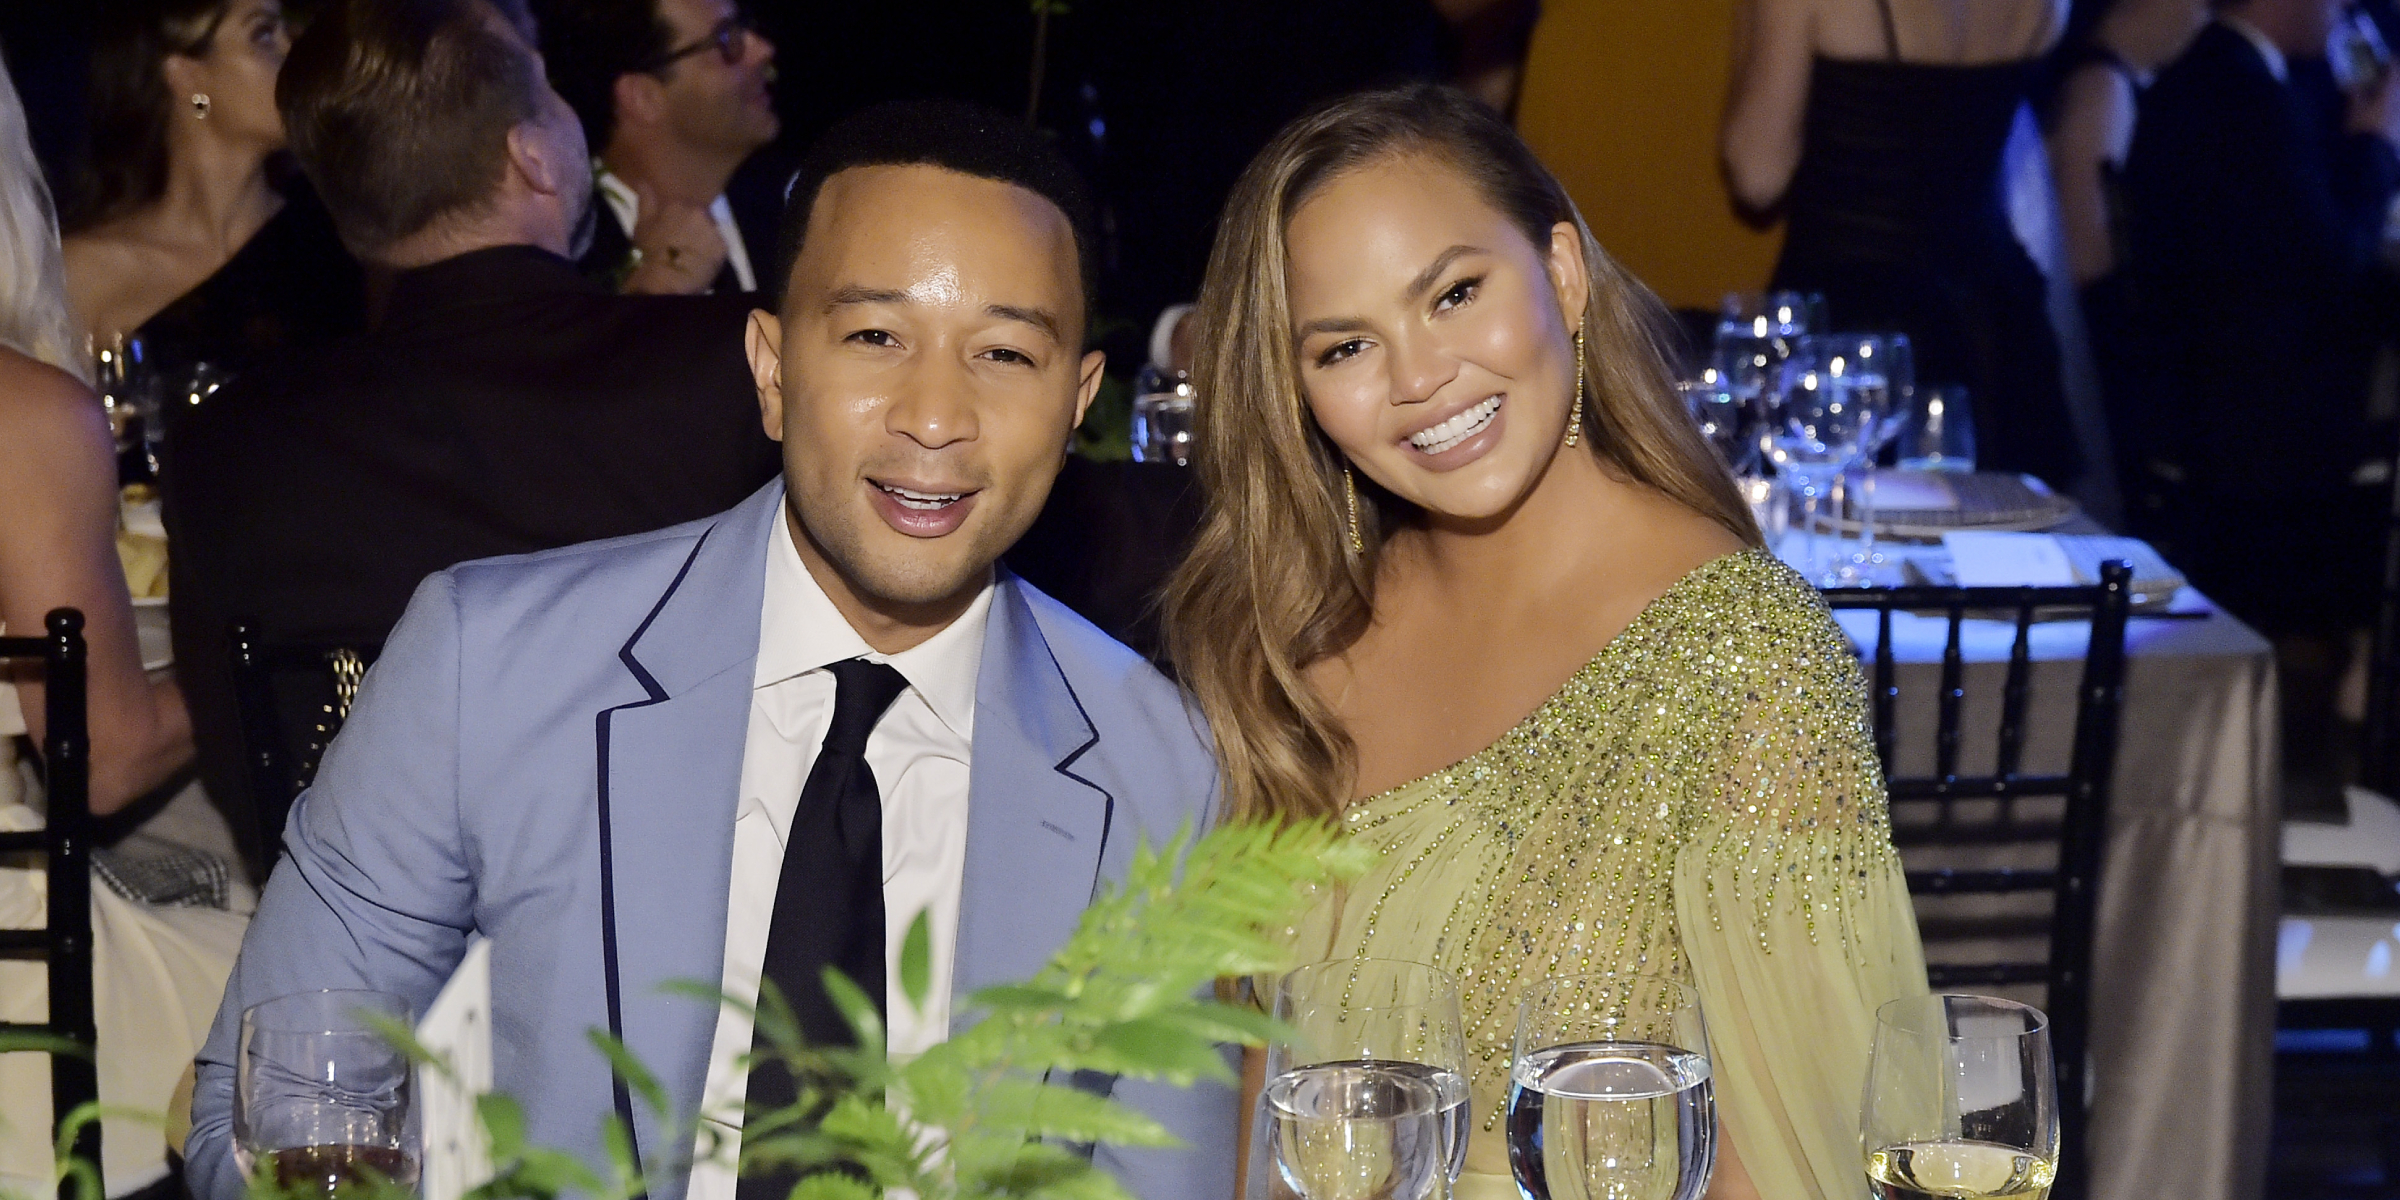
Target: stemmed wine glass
(1727,420)
(1961,1101)
(1369,1102)
(1820,432)
(1883,379)
(1756,332)
(1609,1097)
(321,1096)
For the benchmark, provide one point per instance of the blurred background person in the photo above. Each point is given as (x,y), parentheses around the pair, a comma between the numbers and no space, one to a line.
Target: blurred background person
(158,969)
(2257,197)
(182,226)
(2088,135)
(673,95)
(507,403)
(1877,127)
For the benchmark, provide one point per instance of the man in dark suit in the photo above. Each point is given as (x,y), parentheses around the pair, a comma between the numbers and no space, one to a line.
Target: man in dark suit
(2257,198)
(505,404)
(673,95)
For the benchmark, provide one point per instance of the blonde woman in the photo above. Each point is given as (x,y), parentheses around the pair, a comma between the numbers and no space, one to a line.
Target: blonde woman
(1469,582)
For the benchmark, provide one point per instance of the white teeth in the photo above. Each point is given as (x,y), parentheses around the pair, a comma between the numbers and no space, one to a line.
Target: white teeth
(1457,429)
(914,499)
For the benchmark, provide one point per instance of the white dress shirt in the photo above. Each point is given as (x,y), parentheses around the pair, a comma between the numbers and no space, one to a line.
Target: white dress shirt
(628,207)
(919,753)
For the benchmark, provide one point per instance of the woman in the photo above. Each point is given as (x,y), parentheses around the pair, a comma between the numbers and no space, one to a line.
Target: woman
(1469,581)
(184,225)
(158,971)
(1878,126)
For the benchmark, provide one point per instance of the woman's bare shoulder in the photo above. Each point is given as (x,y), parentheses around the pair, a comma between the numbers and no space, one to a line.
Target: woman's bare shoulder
(42,407)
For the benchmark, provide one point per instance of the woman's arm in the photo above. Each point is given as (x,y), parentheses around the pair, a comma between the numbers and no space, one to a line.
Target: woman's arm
(1773,44)
(58,520)
(2092,133)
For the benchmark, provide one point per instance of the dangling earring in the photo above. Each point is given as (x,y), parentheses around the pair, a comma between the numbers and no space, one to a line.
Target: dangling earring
(200,105)
(1350,501)
(1575,418)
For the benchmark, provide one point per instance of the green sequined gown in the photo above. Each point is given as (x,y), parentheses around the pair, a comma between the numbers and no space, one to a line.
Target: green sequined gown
(1701,800)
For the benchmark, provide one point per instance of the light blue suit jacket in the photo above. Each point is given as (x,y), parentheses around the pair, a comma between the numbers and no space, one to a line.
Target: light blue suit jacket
(549,753)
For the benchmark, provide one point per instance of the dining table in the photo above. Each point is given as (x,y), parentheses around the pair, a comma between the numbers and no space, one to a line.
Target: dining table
(2183,974)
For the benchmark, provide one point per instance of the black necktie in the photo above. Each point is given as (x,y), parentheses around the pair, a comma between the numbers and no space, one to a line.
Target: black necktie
(829,901)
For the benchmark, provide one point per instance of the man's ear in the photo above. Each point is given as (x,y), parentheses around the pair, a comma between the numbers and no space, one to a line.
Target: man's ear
(1088,385)
(762,340)
(531,159)
(640,100)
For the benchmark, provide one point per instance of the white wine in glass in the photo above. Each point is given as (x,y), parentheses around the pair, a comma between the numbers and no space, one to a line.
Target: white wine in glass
(1961,1102)
(1610,1096)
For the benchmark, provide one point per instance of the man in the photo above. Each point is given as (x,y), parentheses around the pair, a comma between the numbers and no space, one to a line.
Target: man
(2257,196)
(505,403)
(755,745)
(673,95)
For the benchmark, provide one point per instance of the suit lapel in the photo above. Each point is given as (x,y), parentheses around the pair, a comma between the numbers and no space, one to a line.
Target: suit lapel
(1035,831)
(670,783)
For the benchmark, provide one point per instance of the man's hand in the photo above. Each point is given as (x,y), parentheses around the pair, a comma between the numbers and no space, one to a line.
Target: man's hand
(2375,108)
(681,251)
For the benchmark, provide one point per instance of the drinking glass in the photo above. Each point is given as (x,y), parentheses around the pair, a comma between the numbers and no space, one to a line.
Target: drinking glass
(1727,420)
(1961,1101)
(1755,334)
(1162,416)
(1939,432)
(1884,381)
(1820,432)
(1609,1097)
(1356,1023)
(321,1097)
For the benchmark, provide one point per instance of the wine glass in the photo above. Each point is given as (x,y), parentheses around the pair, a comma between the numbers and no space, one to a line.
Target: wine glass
(1961,1101)
(1726,419)
(1884,379)
(321,1096)
(1821,431)
(1357,1022)
(1609,1097)
(1755,334)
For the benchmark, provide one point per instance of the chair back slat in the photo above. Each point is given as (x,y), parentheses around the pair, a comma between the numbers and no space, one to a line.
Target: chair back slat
(65,840)
(1977,815)
(282,761)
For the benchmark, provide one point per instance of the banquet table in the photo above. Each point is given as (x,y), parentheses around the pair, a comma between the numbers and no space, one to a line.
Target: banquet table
(2183,978)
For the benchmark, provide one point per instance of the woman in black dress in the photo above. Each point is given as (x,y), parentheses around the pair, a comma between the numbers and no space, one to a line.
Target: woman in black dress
(1878,127)
(185,224)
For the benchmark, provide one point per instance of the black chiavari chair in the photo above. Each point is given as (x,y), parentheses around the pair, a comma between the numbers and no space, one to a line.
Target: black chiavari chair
(1948,808)
(291,699)
(65,844)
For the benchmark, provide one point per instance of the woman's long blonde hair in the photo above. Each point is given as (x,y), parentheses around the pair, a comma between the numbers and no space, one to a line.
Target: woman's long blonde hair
(1270,585)
(34,318)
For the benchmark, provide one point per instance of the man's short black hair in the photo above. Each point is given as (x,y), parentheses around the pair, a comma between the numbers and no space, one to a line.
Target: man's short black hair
(587,44)
(955,136)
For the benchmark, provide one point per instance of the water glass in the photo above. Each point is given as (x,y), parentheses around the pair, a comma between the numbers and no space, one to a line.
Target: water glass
(1726,419)
(1163,401)
(1609,1096)
(1355,1021)
(1821,432)
(1961,1101)
(321,1097)
(1939,431)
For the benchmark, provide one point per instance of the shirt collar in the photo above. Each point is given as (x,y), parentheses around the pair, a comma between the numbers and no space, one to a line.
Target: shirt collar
(801,631)
(2272,53)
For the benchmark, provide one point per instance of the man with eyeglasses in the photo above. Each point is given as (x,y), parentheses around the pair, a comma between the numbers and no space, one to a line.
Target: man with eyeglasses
(673,95)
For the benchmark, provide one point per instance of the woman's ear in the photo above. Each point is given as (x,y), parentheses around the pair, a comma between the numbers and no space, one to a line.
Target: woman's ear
(1570,275)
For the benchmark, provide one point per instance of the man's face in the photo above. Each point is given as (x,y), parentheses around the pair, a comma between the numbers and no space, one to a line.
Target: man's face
(924,377)
(710,103)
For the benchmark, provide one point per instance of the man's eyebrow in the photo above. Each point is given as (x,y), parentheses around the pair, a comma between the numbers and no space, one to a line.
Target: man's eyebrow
(1433,272)
(1040,318)
(859,294)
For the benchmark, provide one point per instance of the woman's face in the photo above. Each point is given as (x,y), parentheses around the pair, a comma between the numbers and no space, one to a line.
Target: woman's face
(1435,345)
(236,71)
